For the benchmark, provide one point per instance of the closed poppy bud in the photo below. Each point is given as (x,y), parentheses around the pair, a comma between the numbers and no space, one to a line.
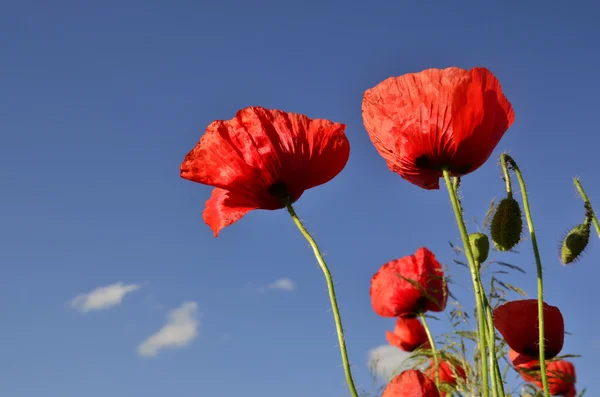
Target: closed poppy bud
(448,372)
(422,123)
(517,321)
(480,245)
(561,378)
(575,243)
(408,286)
(507,224)
(263,159)
(411,383)
(409,334)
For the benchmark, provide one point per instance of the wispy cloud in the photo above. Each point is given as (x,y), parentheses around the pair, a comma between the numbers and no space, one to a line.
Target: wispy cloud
(386,361)
(179,331)
(281,284)
(103,297)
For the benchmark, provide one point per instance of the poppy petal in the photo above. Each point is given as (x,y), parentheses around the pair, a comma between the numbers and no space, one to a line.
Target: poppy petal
(517,321)
(409,334)
(409,118)
(224,208)
(481,116)
(411,383)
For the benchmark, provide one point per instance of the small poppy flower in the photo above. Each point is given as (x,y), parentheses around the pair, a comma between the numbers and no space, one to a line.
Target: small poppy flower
(448,372)
(409,334)
(411,383)
(262,159)
(448,118)
(517,321)
(561,378)
(408,286)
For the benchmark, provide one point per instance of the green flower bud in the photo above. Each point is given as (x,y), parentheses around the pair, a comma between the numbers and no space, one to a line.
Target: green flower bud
(574,243)
(480,245)
(507,224)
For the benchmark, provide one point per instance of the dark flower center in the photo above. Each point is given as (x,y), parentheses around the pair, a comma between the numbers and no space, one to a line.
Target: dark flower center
(279,189)
(423,162)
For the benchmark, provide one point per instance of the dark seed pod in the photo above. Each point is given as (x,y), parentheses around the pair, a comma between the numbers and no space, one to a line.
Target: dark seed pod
(480,245)
(507,224)
(574,243)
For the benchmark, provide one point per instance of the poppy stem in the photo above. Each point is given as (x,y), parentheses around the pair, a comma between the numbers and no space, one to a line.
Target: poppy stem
(497,384)
(538,263)
(481,328)
(436,362)
(332,298)
(588,204)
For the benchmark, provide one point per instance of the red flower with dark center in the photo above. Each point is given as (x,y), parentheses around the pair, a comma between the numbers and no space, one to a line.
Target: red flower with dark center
(517,321)
(262,159)
(409,334)
(561,378)
(408,286)
(439,118)
(448,372)
(411,383)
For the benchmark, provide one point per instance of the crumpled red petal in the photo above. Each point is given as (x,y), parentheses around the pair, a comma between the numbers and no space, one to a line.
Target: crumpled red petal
(517,321)
(260,152)
(224,208)
(411,383)
(409,334)
(421,122)
(392,295)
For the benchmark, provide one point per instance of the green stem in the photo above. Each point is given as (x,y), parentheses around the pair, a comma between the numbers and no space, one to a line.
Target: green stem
(481,329)
(332,298)
(506,177)
(538,264)
(587,203)
(497,384)
(436,363)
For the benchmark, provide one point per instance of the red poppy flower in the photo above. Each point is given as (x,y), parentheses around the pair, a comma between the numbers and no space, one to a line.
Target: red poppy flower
(261,158)
(448,372)
(561,378)
(517,321)
(409,334)
(411,383)
(407,286)
(423,122)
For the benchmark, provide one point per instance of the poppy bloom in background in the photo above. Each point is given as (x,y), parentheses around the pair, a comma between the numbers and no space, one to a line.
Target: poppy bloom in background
(262,158)
(409,334)
(517,321)
(411,383)
(423,122)
(393,295)
(448,372)
(561,378)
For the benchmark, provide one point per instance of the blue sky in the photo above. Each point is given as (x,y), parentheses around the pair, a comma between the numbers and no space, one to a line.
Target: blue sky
(99,103)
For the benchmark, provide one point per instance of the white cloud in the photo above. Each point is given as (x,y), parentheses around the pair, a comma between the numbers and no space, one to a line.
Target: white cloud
(179,331)
(386,361)
(281,284)
(103,297)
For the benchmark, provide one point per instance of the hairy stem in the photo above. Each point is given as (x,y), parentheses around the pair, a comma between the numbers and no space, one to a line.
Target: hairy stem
(332,298)
(436,362)
(538,264)
(588,204)
(481,328)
